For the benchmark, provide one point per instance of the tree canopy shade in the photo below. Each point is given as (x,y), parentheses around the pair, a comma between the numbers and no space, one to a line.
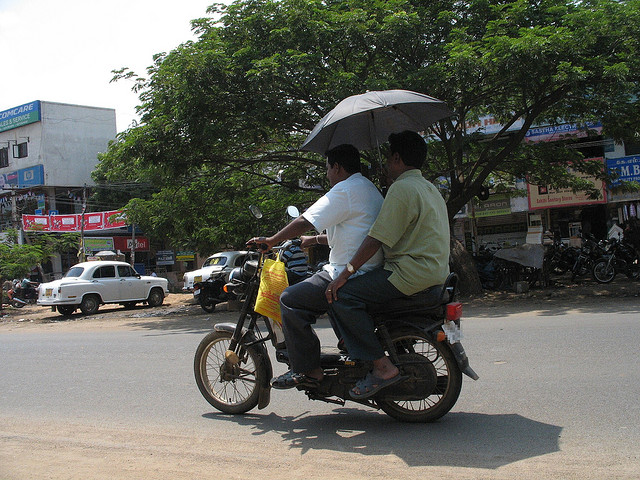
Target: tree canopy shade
(222,117)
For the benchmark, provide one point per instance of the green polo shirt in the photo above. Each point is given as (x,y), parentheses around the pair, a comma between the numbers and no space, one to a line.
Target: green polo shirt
(413,227)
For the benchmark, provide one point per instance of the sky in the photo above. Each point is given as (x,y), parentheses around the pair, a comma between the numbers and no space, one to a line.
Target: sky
(65,50)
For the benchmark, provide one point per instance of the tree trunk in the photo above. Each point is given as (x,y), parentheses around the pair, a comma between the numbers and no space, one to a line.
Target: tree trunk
(461,262)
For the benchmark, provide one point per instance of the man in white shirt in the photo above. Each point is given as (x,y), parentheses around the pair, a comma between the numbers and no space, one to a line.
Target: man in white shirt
(346,213)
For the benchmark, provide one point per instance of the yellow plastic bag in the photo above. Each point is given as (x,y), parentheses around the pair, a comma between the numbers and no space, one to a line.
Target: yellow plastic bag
(273,281)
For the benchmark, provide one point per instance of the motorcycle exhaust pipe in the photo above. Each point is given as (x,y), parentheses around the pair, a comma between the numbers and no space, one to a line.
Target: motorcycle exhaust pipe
(463,360)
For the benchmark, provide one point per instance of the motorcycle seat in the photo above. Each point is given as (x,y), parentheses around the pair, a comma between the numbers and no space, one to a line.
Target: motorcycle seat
(423,301)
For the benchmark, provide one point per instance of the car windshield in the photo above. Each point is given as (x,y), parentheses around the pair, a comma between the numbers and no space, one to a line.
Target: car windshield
(74,272)
(215,261)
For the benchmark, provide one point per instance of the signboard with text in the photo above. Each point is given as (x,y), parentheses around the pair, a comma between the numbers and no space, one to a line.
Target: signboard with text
(165,257)
(124,244)
(542,196)
(19,116)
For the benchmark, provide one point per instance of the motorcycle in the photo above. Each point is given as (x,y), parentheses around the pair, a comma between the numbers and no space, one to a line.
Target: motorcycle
(421,335)
(559,258)
(208,293)
(19,297)
(621,257)
(590,252)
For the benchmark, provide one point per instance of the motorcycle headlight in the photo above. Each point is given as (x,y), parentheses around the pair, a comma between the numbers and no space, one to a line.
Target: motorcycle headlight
(249,269)
(236,275)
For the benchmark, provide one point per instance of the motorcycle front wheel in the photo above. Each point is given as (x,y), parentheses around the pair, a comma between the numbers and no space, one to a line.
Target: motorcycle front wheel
(448,385)
(603,271)
(231,388)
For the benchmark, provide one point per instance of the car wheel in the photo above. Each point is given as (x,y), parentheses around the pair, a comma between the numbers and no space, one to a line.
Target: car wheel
(90,304)
(156,297)
(66,309)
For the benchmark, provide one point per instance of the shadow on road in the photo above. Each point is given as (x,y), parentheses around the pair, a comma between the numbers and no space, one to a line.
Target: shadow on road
(457,440)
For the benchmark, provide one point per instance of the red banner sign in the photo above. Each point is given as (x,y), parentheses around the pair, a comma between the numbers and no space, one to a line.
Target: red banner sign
(124,244)
(73,223)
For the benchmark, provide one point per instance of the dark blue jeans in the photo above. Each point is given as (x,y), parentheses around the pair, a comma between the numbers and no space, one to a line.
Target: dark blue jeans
(350,312)
(300,305)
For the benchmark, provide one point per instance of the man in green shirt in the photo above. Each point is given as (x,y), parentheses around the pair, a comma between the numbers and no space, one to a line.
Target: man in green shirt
(413,230)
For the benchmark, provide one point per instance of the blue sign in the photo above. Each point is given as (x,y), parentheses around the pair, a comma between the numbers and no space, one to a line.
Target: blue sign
(23,178)
(627,168)
(19,116)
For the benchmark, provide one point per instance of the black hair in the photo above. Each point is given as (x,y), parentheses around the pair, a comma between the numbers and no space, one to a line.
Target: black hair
(346,155)
(411,147)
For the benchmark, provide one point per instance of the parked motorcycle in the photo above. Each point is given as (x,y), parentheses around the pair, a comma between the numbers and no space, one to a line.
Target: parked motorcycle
(621,257)
(19,296)
(420,334)
(590,252)
(210,292)
(560,258)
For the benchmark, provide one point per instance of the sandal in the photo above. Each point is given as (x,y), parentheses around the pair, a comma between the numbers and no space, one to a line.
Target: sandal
(371,384)
(292,379)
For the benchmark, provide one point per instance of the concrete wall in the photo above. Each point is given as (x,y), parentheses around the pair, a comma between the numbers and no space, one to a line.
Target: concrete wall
(72,137)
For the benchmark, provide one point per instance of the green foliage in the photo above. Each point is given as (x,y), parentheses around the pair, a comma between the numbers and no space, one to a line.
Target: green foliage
(223,116)
(16,261)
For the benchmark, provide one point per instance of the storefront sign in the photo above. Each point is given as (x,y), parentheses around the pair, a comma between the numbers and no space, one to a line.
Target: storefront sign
(496,205)
(186,256)
(627,168)
(19,116)
(124,244)
(23,178)
(165,257)
(97,244)
(541,196)
(558,132)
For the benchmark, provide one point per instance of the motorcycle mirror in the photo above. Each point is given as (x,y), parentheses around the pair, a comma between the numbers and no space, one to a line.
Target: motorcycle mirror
(293,211)
(255,211)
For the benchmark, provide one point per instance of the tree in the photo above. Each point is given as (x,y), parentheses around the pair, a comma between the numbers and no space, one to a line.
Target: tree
(243,96)
(17,260)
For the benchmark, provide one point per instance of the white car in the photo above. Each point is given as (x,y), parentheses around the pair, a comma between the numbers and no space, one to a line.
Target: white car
(216,263)
(88,285)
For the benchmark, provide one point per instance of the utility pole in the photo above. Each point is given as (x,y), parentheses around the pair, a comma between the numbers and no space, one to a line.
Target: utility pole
(133,244)
(81,253)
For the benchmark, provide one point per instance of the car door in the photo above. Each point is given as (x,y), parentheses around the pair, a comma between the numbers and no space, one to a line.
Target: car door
(131,286)
(105,282)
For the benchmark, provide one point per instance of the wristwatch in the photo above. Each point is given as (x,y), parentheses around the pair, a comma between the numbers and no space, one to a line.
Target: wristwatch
(350,268)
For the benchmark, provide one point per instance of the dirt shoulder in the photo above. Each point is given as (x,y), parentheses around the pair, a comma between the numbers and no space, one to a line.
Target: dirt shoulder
(179,309)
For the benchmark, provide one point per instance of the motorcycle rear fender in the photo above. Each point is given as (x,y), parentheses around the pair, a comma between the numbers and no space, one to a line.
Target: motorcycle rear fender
(265,363)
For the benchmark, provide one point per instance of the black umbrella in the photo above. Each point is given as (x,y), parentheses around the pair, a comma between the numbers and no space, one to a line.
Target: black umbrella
(366,120)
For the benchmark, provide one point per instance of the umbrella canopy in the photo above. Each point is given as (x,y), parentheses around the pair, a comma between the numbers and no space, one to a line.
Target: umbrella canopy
(366,120)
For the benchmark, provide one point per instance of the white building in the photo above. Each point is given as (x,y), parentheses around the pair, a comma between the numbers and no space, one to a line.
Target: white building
(48,148)
(47,153)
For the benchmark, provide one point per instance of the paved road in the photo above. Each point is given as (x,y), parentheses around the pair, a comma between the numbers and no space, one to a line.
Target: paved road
(557,398)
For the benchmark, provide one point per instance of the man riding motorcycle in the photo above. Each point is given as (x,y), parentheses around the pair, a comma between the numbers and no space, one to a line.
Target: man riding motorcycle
(346,212)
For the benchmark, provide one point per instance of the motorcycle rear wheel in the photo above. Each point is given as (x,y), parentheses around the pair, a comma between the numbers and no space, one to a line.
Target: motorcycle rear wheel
(449,379)
(604,272)
(230,388)
(207,302)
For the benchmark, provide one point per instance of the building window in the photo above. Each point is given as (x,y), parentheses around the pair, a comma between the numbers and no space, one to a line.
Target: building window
(20,150)
(631,148)
(4,157)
